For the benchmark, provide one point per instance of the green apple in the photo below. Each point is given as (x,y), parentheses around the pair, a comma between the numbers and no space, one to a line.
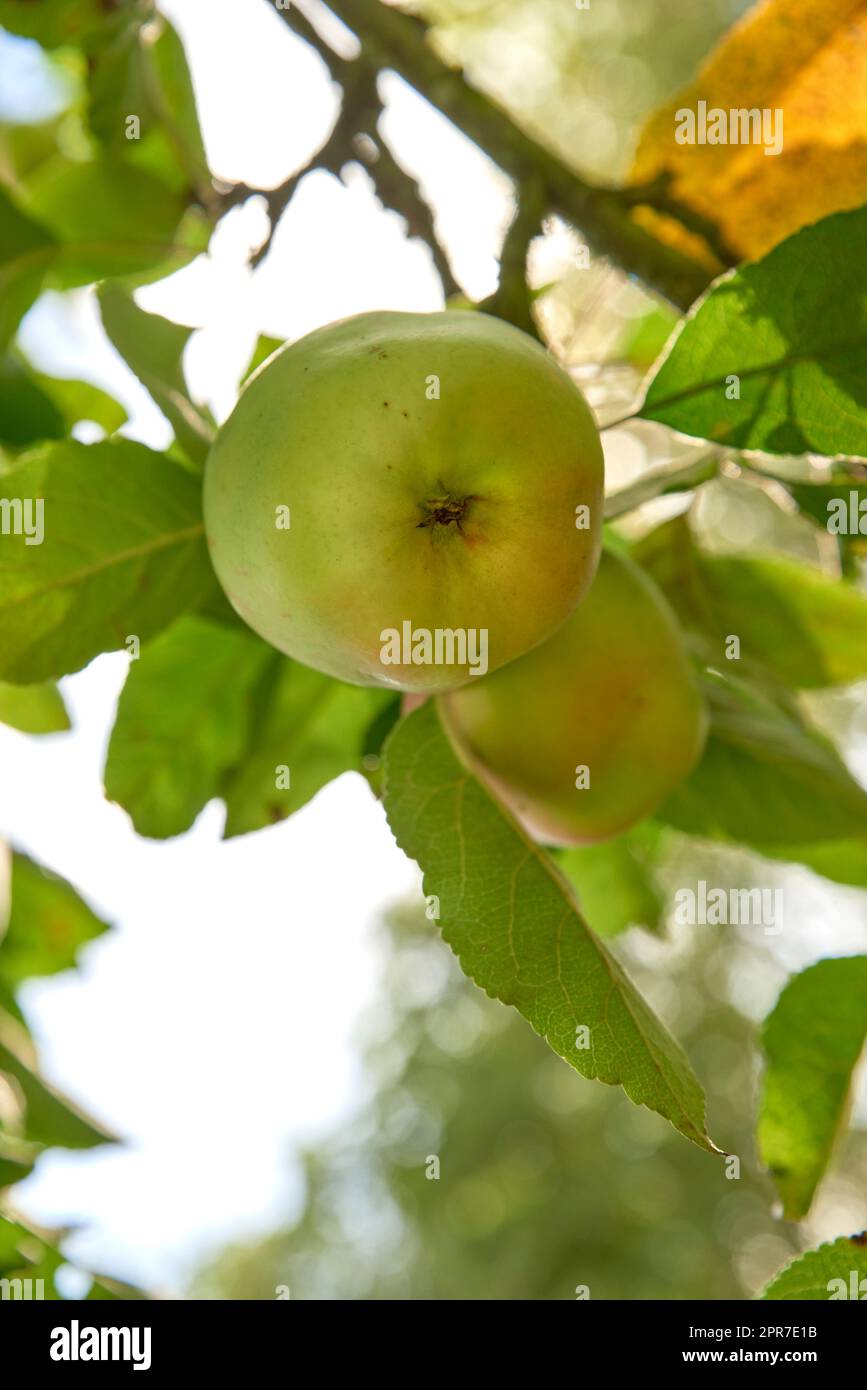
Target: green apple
(407,500)
(586,735)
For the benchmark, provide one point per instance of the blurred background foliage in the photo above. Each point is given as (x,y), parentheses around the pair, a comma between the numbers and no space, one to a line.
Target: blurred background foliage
(546,1182)
(583,80)
(44,925)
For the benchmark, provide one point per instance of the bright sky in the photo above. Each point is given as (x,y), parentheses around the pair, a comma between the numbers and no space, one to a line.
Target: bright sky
(214,1029)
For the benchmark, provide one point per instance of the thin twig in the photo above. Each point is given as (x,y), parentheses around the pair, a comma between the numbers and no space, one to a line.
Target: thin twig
(398,190)
(394,40)
(512,298)
(359,117)
(307,31)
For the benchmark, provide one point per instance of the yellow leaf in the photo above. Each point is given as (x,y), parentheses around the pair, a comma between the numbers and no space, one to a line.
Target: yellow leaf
(804,58)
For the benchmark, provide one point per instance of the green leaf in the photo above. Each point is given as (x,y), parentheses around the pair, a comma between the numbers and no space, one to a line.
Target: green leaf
(137,67)
(217,607)
(841,861)
(33,709)
(81,400)
(49,1119)
(154,347)
(11,1171)
(833,1271)
(10,1235)
(645,337)
(812,1041)
(511,918)
(109,218)
(175,100)
(24,147)
(26,251)
(373,743)
(34,407)
(27,413)
(262,351)
(51,22)
(26,1253)
(765,777)
(823,501)
(117,81)
(792,328)
(182,721)
(614,881)
(307,723)
(105,1289)
(48,924)
(794,623)
(123,554)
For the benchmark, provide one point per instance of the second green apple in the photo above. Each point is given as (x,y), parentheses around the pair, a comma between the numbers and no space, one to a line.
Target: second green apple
(585,736)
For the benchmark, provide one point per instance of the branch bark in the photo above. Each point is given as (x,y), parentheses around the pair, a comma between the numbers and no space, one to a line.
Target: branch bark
(394,40)
(512,299)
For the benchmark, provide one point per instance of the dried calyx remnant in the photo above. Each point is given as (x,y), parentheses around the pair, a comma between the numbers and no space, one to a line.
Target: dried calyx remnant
(445,510)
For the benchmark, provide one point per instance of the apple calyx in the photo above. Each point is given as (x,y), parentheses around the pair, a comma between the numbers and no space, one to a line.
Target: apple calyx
(445,510)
